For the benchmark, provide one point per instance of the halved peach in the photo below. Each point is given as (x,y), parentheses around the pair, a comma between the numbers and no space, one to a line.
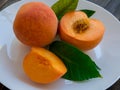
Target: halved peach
(42,66)
(83,32)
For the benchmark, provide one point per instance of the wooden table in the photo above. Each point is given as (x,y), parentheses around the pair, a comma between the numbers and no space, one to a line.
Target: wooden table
(112,6)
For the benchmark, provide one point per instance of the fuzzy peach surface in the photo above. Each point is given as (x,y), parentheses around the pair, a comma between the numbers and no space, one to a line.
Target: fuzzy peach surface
(35,24)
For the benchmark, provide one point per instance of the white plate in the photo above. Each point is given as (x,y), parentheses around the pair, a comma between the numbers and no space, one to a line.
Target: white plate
(106,54)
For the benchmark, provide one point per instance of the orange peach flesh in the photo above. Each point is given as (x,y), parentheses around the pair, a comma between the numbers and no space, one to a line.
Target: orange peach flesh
(85,40)
(42,66)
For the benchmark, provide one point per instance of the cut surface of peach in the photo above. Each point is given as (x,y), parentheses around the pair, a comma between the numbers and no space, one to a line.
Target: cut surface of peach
(83,32)
(42,66)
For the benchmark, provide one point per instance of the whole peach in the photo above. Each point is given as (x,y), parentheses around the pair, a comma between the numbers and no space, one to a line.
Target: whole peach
(35,24)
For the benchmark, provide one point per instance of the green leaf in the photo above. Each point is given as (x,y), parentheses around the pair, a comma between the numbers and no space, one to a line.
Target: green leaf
(79,65)
(63,6)
(88,12)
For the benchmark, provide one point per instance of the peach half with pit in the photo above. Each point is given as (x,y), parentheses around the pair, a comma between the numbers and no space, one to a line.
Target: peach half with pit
(79,30)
